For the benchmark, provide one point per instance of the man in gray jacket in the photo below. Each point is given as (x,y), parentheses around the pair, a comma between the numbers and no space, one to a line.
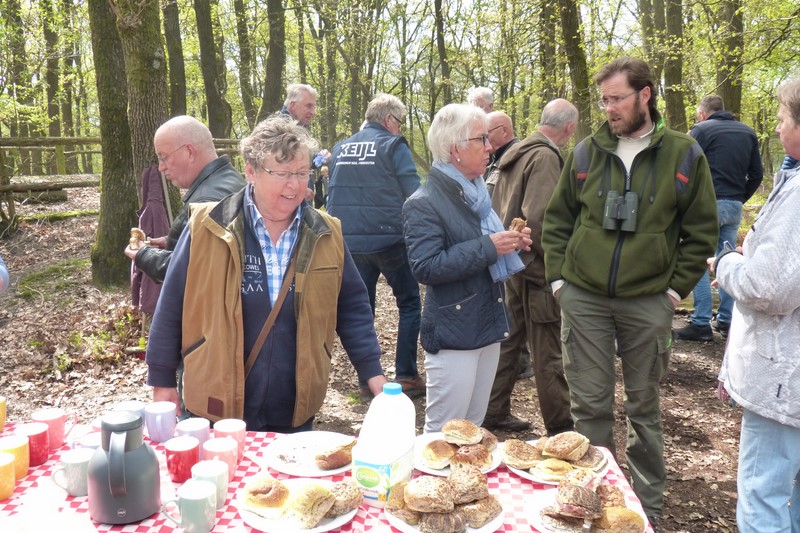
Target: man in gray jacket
(187,158)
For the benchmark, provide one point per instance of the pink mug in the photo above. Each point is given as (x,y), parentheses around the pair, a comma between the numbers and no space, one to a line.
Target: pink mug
(38,441)
(56,420)
(235,429)
(182,454)
(224,449)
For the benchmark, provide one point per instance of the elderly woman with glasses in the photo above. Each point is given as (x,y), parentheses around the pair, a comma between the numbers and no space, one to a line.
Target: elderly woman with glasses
(459,249)
(259,285)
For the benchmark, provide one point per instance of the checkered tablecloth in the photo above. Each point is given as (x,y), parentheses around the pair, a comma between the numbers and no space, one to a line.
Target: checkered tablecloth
(39,505)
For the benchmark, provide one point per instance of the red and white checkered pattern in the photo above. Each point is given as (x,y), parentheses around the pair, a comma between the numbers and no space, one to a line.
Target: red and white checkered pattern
(513,492)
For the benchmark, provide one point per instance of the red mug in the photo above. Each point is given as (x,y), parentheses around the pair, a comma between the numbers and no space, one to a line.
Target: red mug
(38,441)
(182,454)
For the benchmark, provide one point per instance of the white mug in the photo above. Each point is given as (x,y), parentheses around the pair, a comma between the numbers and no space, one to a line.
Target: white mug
(217,473)
(224,449)
(134,406)
(196,505)
(160,420)
(72,474)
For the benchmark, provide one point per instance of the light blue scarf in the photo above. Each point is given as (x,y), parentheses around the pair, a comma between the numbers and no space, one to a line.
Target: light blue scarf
(478,200)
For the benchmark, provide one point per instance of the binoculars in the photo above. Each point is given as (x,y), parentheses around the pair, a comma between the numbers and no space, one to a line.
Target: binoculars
(620,211)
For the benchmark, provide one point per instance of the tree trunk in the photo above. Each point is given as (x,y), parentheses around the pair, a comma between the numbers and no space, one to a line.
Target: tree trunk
(51,76)
(446,83)
(177,69)
(547,50)
(118,191)
(69,52)
(272,95)
(245,63)
(673,68)
(729,66)
(211,63)
(578,71)
(20,89)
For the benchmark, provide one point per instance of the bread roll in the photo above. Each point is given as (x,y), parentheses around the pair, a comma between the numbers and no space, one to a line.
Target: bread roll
(611,496)
(520,454)
(481,512)
(396,505)
(454,522)
(137,236)
(569,446)
(593,459)
(336,457)
(460,431)
(517,224)
(468,484)
(551,470)
(619,520)
(488,439)
(310,503)
(438,453)
(266,497)
(583,477)
(429,494)
(472,454)
(347,495)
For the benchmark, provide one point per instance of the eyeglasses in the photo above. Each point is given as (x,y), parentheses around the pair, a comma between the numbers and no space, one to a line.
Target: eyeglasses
(483,138)
(613,100)
(498,126)
(399,122)
(285,175)
(163,158)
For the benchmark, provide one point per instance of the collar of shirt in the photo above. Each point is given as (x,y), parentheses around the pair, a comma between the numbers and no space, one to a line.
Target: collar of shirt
(276,256)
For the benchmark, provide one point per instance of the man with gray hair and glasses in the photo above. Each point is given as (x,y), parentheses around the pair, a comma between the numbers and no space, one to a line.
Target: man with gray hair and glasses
(372,174)
(529,171)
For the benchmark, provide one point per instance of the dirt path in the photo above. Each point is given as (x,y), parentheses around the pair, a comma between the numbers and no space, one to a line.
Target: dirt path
(63,321)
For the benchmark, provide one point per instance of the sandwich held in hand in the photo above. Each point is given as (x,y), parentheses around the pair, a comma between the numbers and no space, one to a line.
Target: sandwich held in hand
(517,224)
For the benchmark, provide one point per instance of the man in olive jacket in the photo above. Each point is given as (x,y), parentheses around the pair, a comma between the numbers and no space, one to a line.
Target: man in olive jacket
(626,237)
(528,173)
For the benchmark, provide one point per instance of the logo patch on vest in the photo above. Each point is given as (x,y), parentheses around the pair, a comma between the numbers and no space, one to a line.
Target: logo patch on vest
(357,153)
(253,276)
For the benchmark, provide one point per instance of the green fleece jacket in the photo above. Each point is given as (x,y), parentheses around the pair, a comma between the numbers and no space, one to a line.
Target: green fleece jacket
(676,228)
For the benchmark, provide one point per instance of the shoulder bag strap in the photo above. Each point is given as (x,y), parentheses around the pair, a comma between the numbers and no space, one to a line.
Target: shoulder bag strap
(273,314)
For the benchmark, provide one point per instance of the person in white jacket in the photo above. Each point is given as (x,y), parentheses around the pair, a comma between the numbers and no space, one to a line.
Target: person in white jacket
(761,367)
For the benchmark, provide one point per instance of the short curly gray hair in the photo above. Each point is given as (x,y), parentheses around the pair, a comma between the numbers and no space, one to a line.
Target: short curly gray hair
(451,126)
(279,136)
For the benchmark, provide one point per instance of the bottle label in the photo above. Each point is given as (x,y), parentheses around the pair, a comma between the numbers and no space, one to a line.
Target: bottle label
(377,480)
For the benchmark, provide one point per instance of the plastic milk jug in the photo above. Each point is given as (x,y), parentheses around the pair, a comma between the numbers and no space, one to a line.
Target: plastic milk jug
(384,453)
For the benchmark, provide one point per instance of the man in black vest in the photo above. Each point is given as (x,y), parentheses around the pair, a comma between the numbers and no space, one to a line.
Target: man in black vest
(372,174)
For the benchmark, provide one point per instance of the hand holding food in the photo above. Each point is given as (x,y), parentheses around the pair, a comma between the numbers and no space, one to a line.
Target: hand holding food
(137,238)
(517,224)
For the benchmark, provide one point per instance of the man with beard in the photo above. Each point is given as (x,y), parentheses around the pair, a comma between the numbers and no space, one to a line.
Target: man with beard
(626,236)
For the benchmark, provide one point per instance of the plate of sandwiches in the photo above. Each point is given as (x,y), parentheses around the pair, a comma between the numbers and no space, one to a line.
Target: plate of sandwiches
(433,504)
(310,454)
(548,459)
(297,504)
(459,443)
(567,508)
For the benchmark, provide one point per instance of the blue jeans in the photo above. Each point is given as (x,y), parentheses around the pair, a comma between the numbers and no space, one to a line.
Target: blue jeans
(768,481)
(729,214)
(393,264)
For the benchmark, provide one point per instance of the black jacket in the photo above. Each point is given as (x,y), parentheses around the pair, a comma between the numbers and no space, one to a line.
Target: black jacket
(217,180)
(464,308)
(732,152)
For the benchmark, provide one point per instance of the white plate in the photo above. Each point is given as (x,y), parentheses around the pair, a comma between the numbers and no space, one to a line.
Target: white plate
(287,524)
(419,462)
(491,527)
(294,453)
(533,477)
(544,524)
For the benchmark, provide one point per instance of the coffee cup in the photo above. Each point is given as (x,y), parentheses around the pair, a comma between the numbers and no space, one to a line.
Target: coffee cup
(215,472)
(38,441)
(7,477)
(2,413)
(91,440)
(196,504)
(56,420)
(235,429)
(160,420)
(134,406)
(73,472)
(224,449)
(17,445)
(182,454)
(199,428)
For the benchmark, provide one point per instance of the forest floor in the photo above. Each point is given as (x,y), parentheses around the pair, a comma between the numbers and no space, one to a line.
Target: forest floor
(62,343)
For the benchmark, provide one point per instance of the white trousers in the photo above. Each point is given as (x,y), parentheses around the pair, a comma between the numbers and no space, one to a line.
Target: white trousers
(459,383)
